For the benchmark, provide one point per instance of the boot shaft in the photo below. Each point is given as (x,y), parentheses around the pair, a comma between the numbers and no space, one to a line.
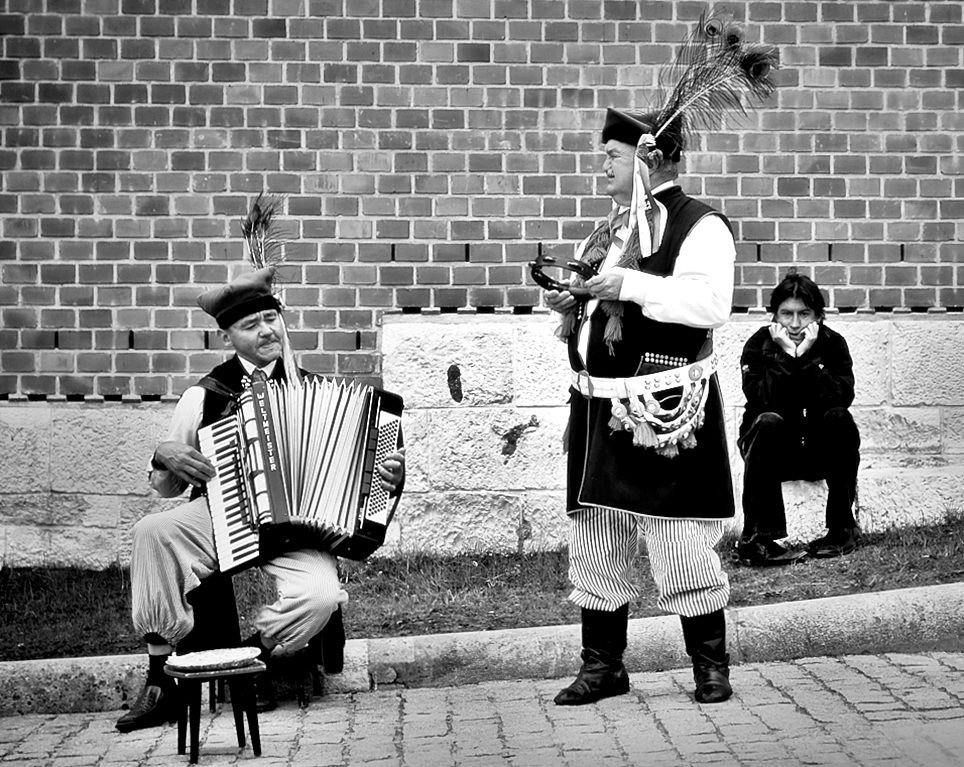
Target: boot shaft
(605,631)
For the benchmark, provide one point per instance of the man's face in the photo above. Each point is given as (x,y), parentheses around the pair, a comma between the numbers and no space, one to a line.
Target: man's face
(794,315)
(256,337)
(618,169)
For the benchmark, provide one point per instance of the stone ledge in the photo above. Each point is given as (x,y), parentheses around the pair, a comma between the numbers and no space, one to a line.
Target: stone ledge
(916,619)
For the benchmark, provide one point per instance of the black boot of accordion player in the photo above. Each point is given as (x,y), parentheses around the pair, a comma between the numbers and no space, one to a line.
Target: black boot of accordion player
(266,699)
(602,674)
(705,637)
(157,702)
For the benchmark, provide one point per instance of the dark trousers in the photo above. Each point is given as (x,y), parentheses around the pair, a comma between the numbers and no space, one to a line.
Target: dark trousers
(773,453)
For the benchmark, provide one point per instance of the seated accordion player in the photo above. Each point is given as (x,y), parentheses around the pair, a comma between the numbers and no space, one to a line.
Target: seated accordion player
(295,468)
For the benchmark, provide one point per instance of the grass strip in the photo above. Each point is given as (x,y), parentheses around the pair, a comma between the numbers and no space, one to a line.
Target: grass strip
(49,613)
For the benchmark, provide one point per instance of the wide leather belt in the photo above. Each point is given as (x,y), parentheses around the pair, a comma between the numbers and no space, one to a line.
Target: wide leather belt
(622,388)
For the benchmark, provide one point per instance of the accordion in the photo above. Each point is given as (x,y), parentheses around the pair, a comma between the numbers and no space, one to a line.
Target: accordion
(295,468)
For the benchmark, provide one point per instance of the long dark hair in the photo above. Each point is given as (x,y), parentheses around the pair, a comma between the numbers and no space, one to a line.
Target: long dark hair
(798,286)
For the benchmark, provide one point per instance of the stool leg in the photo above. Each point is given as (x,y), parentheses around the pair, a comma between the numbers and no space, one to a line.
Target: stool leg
(195,696)
(212,696)
(237,706)
(182,690)
(251,707)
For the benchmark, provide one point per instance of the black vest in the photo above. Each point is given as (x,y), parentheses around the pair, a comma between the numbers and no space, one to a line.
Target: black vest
(642,335)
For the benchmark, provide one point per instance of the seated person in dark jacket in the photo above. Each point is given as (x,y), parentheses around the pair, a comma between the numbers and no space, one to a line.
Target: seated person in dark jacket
(798,380)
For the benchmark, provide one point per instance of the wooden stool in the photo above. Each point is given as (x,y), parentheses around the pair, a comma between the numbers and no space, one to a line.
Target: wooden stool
(240,681)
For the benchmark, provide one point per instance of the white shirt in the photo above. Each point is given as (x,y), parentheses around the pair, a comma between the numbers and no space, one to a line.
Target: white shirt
(698,293)
(185,423)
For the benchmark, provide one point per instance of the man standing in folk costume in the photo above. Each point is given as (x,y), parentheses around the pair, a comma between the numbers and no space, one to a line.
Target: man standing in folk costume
(646,441)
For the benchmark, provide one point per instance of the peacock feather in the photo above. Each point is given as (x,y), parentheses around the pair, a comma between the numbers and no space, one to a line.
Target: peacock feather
(713,71)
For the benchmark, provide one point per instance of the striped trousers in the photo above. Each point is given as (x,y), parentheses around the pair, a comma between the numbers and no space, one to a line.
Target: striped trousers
(603,544)
(173,551)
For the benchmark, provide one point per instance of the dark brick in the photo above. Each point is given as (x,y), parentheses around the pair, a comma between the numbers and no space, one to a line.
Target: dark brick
(269,28)
(17,93)
(152,206)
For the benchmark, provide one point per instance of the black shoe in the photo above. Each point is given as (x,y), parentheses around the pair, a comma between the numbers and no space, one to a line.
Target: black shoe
(760,551)
(836,543)
(156,705)
(712,679)
(600,677)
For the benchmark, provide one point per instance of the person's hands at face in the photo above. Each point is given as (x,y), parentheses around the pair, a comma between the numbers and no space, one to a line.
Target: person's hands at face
(561,301)
(606,286)
(810,333)
(781,337)
(184,461)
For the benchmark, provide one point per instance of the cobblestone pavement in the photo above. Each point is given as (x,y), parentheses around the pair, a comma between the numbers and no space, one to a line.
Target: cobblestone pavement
(904,710)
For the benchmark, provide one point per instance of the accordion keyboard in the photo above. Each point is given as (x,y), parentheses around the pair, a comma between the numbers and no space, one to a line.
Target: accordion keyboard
(235,538)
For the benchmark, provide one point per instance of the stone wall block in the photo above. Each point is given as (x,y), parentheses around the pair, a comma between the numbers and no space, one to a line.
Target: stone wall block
(498,449)
(540,364)
(453,523)
(728,342)
(25,441)
(91,548)
(23,545)
(60,509)
(101,450)
(953,430)
(928,358)
(544,521)
(908,430)
(912,498)
(805,504)
(448,363)
(418,432)
(870,348)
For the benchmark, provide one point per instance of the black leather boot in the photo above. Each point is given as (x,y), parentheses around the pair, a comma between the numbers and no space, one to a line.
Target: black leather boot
(602,674)
(266,699)
(156,704)
(705,638)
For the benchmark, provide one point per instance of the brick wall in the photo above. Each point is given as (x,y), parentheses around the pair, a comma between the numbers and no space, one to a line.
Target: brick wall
(426,148)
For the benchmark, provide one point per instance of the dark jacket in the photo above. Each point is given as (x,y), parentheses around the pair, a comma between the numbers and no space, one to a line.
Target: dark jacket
(800,389)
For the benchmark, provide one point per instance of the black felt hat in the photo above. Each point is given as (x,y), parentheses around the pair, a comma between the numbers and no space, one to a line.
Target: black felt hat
(627,127)
(249,293)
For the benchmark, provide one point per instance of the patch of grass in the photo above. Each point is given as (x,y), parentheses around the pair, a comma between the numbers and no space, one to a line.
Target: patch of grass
(61,613)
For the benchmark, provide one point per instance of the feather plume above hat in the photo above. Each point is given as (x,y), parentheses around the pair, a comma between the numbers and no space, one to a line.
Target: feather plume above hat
(713,72)
(263,238)
(264,242)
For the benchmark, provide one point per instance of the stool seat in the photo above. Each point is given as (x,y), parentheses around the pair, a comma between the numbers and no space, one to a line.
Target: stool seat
(240,682)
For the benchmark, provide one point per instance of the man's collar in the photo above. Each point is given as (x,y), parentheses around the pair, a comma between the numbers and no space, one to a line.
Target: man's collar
(665,185)
(250,366)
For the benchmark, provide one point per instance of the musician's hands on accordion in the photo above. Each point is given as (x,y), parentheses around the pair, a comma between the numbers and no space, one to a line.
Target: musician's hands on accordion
(392,471)
(313,464)
(188,464)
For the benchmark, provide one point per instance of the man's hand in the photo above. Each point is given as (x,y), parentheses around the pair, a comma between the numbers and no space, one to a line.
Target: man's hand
(184,461)
(560,301)
(606,286)
(782,339)
(809,338)
(392,470)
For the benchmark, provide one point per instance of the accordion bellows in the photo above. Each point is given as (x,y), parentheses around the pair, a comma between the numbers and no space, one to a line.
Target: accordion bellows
(295,468)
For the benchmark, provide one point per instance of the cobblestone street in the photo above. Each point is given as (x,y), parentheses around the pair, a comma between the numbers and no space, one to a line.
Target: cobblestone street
(855,710)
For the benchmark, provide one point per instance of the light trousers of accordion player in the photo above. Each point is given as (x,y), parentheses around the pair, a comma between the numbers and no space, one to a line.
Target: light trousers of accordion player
(173,551)
(603,544)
